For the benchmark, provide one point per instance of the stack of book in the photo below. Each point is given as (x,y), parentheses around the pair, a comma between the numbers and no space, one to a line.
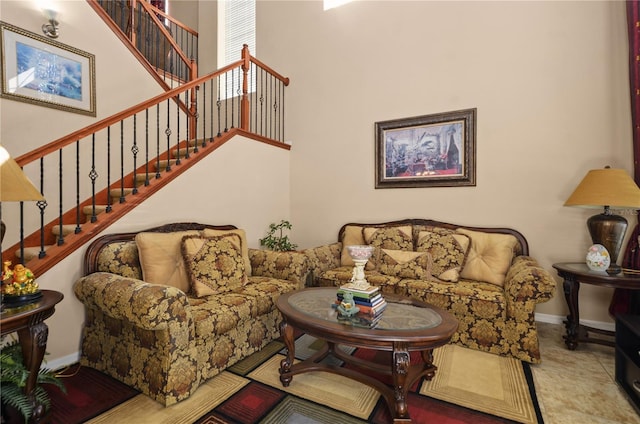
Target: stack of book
(370,302)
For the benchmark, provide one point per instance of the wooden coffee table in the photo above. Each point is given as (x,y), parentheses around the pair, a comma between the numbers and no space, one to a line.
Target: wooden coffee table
(407,325)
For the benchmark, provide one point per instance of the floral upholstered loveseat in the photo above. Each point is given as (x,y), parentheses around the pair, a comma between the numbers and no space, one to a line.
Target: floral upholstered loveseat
(483,276)
(170,307)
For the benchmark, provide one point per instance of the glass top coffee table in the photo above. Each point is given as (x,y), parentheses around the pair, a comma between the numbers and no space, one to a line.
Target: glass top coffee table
(405,325)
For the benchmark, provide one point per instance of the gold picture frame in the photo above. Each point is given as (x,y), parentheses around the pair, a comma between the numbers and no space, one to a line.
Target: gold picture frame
(436,150)
(45,72)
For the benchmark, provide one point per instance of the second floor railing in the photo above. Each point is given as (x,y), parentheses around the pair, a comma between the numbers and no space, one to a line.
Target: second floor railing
(87,177)
(169,46)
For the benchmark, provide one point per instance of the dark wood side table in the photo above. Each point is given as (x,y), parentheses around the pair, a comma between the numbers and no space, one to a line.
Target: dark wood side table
(575,273)
(28,322)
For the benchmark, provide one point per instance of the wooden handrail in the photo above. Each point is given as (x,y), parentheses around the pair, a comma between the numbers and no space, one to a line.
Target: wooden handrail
(257,62)
(104,123)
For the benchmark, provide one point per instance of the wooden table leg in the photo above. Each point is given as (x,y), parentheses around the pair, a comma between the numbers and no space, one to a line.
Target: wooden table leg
(285,365)
(33,341)
(572,324)
(400,369)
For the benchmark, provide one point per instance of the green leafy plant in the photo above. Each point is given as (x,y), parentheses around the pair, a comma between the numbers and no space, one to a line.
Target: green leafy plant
(276,239)
(13,379)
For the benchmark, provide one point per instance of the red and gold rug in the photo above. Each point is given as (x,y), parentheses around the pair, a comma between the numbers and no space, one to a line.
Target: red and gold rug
(469,387)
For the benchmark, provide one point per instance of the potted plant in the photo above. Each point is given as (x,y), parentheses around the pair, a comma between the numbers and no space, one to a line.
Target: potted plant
(276,239)
(13,379)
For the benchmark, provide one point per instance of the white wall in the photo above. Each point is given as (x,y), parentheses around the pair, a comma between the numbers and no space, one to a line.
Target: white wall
(549,81)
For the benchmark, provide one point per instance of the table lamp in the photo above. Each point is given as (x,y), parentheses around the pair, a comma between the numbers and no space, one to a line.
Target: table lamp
(608,188)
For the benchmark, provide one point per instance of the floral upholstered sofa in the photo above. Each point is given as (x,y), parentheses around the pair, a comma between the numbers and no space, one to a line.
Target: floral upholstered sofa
(170,307)
(483,276)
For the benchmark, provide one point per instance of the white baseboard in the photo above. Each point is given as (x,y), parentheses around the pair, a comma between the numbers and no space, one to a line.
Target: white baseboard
(557,319)
(59,363)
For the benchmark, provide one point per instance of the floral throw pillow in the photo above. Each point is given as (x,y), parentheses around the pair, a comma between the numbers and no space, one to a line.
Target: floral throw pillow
(214,264)
(405,264)
(391,238)
(448,252)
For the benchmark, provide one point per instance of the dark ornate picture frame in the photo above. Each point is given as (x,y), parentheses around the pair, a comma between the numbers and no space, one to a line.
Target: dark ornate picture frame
(45,72)
(436,150)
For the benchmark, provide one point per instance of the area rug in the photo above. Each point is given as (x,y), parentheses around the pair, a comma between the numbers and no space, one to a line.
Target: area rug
(469,387)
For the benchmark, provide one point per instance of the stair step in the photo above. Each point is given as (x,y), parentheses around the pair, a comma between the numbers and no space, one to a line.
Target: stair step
(140,178)
(88,210)
(31,252)
(162,165)
(66,229)
(182,151)
(116,192)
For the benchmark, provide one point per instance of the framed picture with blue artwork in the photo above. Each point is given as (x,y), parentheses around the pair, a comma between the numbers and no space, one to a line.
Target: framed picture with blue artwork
(45,72)
(436,150)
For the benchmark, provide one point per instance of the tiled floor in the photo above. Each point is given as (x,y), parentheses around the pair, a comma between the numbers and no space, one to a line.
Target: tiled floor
(578,387)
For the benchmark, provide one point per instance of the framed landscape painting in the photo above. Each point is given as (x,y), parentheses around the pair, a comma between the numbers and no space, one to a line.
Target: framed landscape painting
(44,72)
(427,151)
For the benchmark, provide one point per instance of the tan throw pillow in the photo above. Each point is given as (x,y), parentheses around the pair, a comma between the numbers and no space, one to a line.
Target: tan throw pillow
(352,236)
(214,264)
(448,252)
(208,232)
(489,257)
(405,264)
(161,259)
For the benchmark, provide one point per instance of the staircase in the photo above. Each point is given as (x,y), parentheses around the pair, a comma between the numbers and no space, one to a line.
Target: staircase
(167,48)
(96,175)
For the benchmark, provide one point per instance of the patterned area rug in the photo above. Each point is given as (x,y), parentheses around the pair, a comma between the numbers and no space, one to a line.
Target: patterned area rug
(469,387)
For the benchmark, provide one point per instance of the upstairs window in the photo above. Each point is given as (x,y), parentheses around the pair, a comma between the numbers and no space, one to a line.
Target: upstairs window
(236,27)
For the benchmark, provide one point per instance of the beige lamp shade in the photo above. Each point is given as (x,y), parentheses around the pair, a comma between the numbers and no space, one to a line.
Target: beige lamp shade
(606,187)
(14,184)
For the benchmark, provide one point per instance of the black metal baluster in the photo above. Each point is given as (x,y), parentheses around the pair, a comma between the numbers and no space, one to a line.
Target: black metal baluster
(167,132)
(122,162)
(78,228)
(42,205)
(219,103)
(226,101)
(109,208)
(135,150)
(271,113)
(282,113)
(22,233)
(204,115)
(196,117)
(93,175)
(261,100)
(60,206)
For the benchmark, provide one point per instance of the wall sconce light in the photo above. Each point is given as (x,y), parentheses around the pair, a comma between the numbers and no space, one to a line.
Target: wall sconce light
(50,29)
